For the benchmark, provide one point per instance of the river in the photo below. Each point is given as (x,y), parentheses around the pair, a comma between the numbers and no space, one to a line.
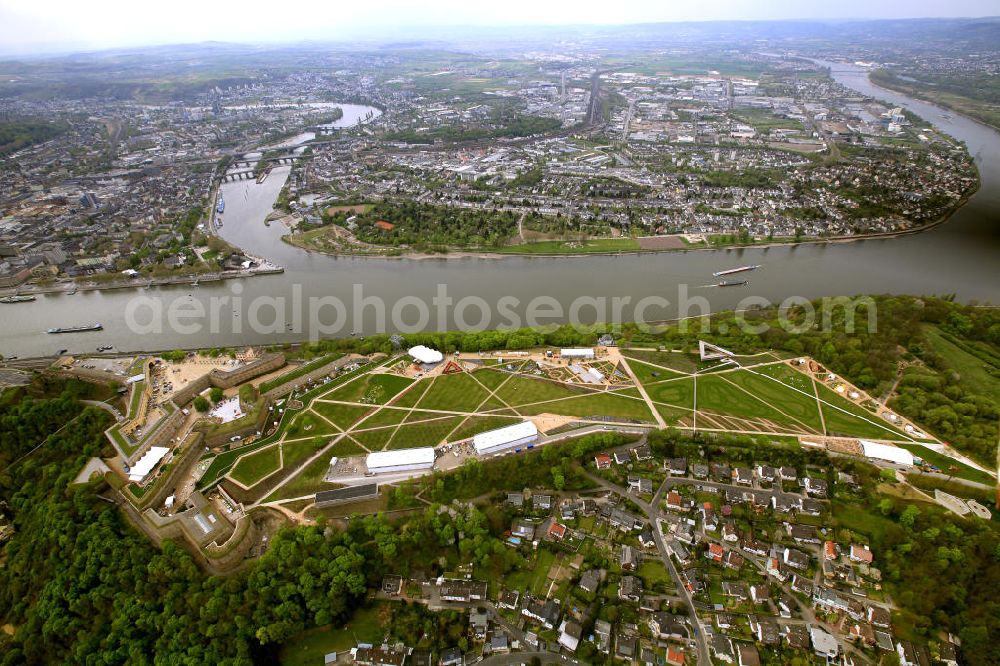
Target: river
(959,257)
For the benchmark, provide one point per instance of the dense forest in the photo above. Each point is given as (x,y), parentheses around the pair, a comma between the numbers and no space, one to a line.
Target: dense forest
(426,226)
(15,135)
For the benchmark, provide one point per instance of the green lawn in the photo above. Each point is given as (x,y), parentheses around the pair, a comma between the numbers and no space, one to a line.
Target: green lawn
(523,390)
(596,404)
(675,361)
(254,467)
(672,415)
(457,393)
(307,424)
(574,247)
(374,440)
(342,415)
(429,433)
(491,379)
(647,373)
(309,647)
(679,393)
(294,453)
(788,400)
(374,389)
(974,372)
(308,481)
(413,395)
(718,395)
(852,424)
(653,573)
(477,424)
(386,417)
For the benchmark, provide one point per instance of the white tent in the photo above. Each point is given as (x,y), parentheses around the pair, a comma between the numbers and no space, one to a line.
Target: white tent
(423,354)
(141,469)
(505,438)
(400,460)
(893,454)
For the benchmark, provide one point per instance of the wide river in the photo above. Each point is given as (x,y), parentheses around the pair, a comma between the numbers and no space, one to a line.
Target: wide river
(365,296)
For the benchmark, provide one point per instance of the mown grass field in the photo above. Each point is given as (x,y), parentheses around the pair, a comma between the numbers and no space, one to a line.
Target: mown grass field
(254,467)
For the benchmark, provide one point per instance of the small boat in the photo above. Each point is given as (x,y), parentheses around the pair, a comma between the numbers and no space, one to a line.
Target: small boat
(104,348)
(733,283)
(17,299)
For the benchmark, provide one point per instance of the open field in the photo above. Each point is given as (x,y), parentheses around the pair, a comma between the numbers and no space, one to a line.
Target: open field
(254,467)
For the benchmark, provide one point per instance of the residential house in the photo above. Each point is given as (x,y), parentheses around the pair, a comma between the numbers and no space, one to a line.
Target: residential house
(478,625)
(766,474)
(797,636)
(451,657)
(676,466)
(765,630)
(622,457)
(541,502)
(640,484)
(788,474)
(824,644)
(678,550)
(544,612)
(760,594)
(569,635)
(715,552)
(643,452)
(810,506)
(747,655)
(557,531)
(803,533)
(462,591)
(508,599)
(699,471)
(664,625)
(675,656)
(602,635)
(815,487)
(516,500)
(626,647)
(523,529)
(733,560)
(722,648)
(380,656)
(861,554)
(796,559)
(630,589)
(628,558)
(743,476)
(603,461)
(879,617)
(590,581)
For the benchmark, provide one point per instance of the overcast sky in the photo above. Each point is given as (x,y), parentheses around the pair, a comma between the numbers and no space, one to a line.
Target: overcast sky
(27,25)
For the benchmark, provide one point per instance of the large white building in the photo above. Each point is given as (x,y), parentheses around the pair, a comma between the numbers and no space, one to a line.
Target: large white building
(502,439)
(577,352)
(401,460)
(893,454)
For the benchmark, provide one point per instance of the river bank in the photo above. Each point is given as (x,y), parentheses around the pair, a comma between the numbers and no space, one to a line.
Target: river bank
(70,286)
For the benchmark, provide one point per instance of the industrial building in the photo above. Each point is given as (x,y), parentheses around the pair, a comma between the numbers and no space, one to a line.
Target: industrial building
(503,439)
(893,454)
(403,460)
(349,494)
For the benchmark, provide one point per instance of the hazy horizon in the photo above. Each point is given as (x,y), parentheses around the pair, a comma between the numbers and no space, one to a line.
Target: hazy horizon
(60,25)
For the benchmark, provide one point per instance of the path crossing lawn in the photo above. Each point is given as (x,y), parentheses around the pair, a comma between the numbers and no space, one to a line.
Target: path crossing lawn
(308,424)
(374,440)
(254,467)
(673,415)
(859,422)
(294,453)
(716,394)
(343,416)
(385,417)
(596,404)
(477,424)
(787,375)
(375,389)
(410,397)
(647,374)
(676,361)
(427,433)
(788,400)
(491,379)
(309,480)
(459,392)
(523,390)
